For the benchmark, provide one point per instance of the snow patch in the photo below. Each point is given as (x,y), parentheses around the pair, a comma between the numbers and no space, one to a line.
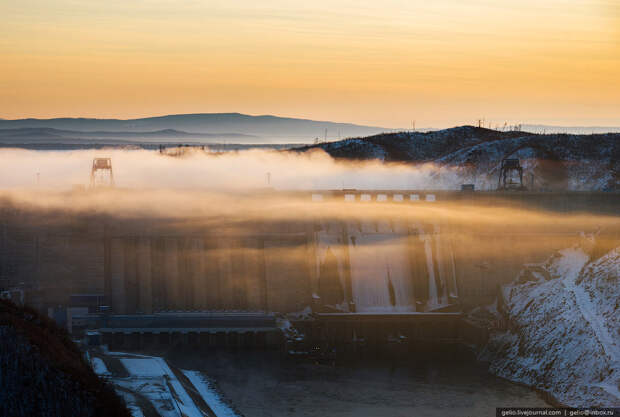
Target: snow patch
(152,379)
(99,367)
(209,394)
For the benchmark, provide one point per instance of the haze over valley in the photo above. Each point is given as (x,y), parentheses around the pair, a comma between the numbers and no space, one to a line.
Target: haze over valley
(331,208)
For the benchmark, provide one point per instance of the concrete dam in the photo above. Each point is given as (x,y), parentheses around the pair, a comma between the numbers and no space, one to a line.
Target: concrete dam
(382,263)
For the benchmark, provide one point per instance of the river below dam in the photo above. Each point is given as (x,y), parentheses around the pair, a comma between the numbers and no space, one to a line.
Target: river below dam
(265,384)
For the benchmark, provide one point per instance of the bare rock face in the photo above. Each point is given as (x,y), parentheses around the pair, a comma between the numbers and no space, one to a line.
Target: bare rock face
(563,328)
(42,373)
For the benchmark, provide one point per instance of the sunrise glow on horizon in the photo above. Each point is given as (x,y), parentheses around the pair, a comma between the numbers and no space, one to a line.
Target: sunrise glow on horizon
(385,63)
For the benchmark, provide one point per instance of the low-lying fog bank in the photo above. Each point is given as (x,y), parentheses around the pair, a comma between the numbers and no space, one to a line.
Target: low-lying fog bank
(314,168)
(198,169)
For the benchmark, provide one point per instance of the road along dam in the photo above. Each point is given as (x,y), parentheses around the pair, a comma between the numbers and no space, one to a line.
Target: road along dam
(339,256)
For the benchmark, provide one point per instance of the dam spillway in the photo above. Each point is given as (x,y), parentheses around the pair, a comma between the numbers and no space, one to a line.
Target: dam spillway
(344,267)
(356,264)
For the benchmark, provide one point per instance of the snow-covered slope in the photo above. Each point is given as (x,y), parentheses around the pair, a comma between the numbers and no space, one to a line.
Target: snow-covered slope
(554,161)
(563,331)
(151,386)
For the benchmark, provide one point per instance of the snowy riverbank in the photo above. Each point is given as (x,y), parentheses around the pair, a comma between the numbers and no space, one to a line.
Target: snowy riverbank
(562,328)
(151,386)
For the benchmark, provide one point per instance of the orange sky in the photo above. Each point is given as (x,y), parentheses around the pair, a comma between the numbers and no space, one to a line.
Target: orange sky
(442,63)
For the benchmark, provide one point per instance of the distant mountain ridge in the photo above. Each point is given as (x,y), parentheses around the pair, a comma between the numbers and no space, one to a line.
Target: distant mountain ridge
(207,128)
(268,128)
(34,135)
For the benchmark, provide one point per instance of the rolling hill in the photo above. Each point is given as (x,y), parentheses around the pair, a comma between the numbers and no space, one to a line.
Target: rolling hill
(470,154)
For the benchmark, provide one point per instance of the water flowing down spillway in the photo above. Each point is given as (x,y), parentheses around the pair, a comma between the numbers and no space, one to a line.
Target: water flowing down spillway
(391,267)
(433,292)
(381,278)
(330,266)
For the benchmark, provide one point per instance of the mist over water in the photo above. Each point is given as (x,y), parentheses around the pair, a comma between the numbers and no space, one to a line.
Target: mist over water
(232,170)
(237,186)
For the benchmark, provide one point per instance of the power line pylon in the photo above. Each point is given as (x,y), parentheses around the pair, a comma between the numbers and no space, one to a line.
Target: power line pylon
(101,174)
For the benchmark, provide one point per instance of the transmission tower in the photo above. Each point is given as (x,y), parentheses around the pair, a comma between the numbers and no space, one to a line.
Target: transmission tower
(101,174)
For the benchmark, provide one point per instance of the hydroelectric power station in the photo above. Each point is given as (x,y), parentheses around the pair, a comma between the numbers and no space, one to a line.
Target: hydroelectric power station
(365,280)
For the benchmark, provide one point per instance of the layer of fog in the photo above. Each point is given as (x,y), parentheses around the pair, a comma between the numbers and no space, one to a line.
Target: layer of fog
(231,188)
(233,170)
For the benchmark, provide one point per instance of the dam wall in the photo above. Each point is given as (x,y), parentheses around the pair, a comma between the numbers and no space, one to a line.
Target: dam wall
(321,264)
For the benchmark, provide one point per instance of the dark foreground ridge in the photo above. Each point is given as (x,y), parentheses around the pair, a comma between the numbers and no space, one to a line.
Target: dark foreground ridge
(43,373)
